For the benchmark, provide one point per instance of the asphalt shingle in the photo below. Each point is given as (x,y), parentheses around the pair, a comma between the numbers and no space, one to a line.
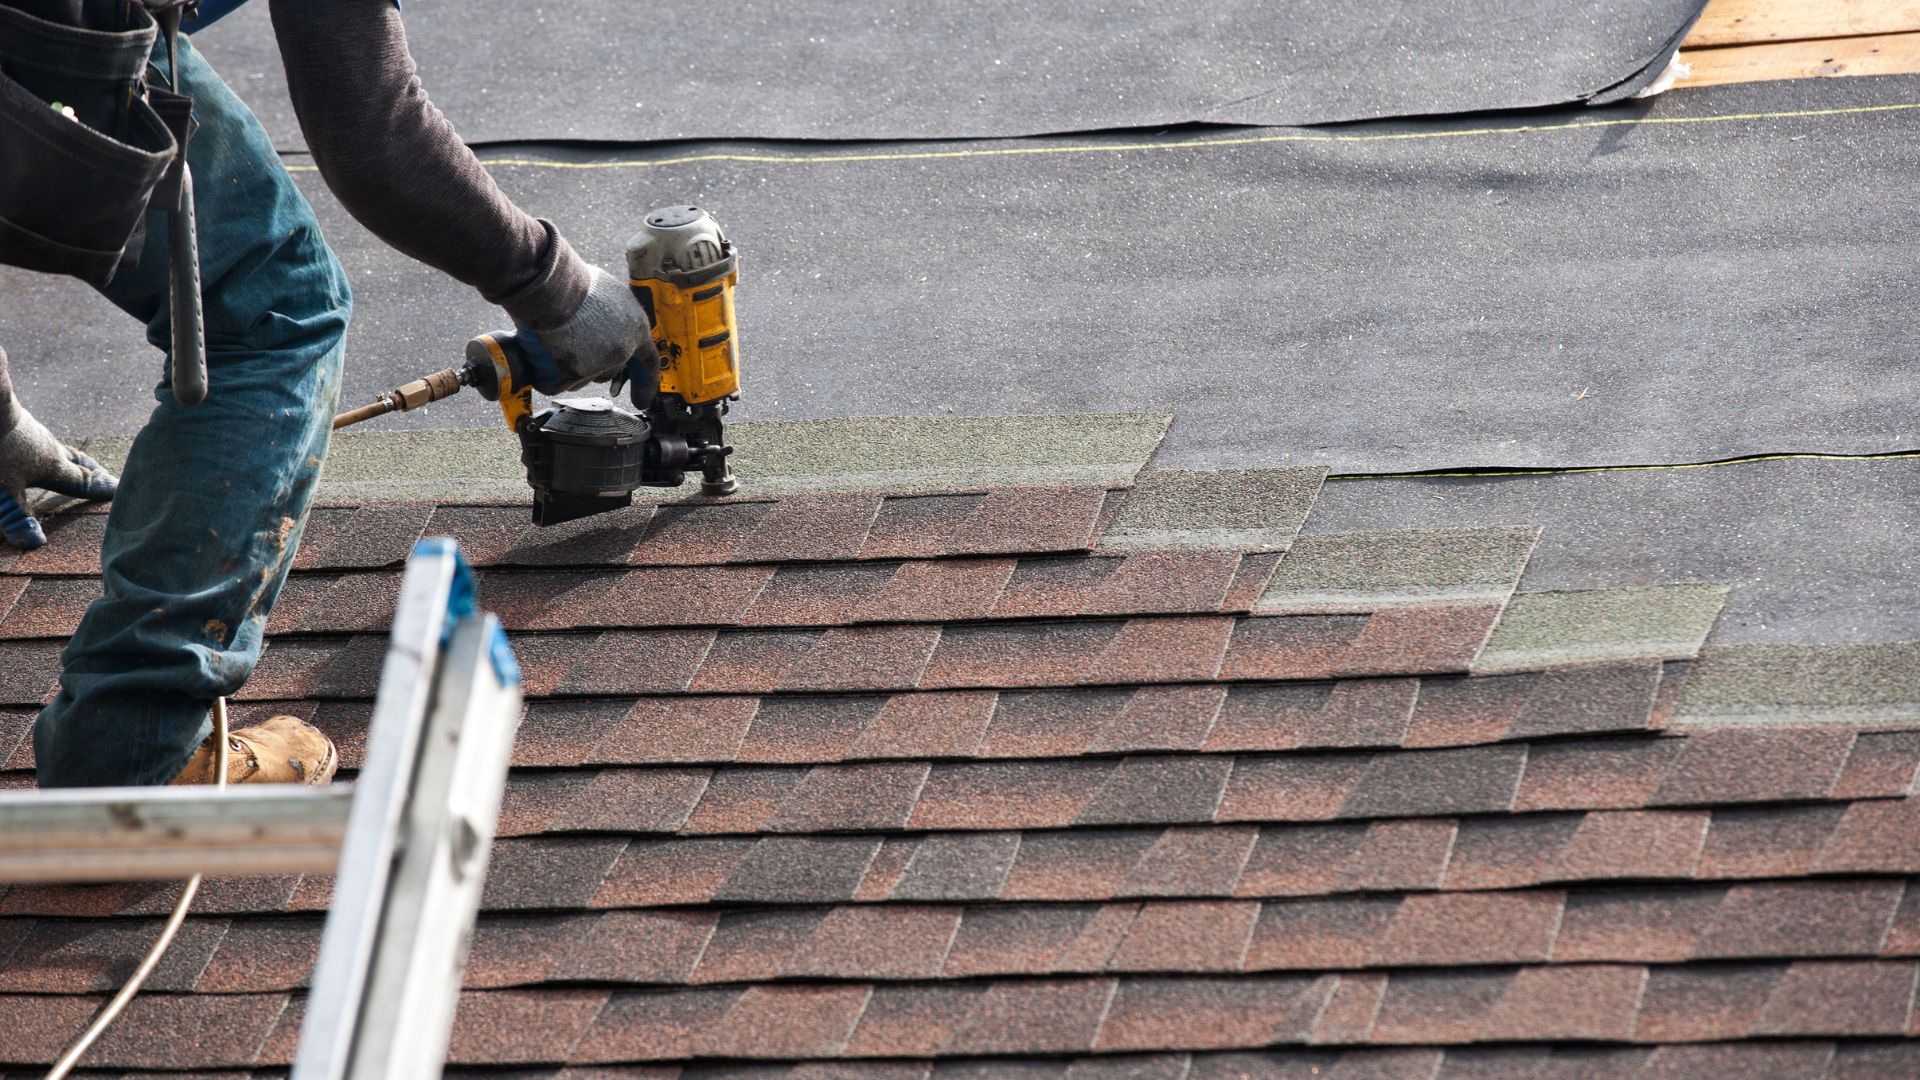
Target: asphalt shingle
(942,785)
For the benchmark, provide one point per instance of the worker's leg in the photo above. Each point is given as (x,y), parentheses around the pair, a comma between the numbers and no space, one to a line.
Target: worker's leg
(214,496)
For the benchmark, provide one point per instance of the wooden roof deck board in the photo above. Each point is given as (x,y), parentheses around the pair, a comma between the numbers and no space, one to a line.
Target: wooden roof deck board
(1763,40)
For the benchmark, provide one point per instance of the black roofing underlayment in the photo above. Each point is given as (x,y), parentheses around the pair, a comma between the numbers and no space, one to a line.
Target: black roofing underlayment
(878,69)
(1710,274)
(1816,550)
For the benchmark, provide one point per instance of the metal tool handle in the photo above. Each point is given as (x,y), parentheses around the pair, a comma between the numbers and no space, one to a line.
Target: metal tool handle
(189,325)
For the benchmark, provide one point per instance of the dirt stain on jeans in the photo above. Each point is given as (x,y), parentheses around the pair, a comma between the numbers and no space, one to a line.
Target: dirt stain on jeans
(281,536)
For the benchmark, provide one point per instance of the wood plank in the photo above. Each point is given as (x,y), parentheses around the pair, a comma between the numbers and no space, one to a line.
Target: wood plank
(1883,54)
(1741,22)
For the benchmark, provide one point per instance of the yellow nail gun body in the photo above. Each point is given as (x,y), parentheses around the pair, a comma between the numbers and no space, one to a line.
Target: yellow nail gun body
(684,272)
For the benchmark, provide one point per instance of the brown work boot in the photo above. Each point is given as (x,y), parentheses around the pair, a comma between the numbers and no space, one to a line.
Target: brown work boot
(281,750)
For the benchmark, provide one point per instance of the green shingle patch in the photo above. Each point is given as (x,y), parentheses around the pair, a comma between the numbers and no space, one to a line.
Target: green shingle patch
(1668,622)
(1366,571)
(908,452)
(892,454)
(478,464)
(1231,508)
(1801,684)
(108,450)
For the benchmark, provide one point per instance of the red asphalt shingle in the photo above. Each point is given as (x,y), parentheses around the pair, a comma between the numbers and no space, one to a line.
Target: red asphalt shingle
(923,786)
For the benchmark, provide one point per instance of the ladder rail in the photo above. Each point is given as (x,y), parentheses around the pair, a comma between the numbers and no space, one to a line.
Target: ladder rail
(380,792)
(388,976)
(433,898)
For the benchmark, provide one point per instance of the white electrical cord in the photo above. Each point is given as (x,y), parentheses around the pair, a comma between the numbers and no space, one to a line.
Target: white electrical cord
(140,974)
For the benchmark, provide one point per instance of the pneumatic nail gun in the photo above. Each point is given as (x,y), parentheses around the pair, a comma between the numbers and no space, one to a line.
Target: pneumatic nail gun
(587,456)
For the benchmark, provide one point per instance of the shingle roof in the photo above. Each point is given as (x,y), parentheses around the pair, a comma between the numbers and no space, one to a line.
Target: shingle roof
(944,785)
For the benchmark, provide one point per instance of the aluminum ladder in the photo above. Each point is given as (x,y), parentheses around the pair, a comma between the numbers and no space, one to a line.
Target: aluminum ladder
(408,841)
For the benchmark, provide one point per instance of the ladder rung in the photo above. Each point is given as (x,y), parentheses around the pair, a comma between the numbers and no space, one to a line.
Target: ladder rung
(153,833)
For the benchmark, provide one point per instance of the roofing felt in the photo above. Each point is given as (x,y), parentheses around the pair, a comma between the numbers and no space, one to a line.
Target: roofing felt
(833,69)
(1818,551)
(1632,276)
(939,784)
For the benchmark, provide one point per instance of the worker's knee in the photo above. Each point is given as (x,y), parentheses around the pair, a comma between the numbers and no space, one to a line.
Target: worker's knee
(279,288)
(271,281)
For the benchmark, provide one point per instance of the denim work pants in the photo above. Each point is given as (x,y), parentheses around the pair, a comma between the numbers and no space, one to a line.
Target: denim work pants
(214,496)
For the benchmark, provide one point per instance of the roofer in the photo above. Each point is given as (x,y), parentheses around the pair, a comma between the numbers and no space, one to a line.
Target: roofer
(214,496)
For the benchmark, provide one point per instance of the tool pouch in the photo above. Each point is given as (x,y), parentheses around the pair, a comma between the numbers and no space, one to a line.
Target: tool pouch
(76,181)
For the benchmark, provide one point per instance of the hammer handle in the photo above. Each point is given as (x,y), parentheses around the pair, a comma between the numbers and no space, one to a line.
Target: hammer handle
(189,326)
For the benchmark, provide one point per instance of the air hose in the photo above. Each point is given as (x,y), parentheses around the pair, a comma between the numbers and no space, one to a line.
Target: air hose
(152,960)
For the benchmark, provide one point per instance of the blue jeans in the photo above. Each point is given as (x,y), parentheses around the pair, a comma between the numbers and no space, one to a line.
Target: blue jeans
(213,497)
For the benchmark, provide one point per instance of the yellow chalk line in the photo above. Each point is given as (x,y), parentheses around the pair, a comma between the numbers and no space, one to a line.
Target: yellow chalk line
(1499,473)
(1178,144)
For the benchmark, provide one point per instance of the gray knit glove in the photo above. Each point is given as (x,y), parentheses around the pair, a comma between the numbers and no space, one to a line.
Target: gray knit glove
(30,457)
(595,343)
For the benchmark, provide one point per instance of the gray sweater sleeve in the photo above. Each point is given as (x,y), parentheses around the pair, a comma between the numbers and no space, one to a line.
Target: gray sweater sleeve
(400,169)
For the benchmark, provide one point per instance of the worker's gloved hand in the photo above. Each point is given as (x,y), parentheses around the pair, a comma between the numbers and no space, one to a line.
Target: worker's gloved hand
(30,457)
(595,343)
(641,379)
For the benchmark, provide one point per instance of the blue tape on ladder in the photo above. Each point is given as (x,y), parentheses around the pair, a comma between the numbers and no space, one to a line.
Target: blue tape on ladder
(505,664)
(461,604)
